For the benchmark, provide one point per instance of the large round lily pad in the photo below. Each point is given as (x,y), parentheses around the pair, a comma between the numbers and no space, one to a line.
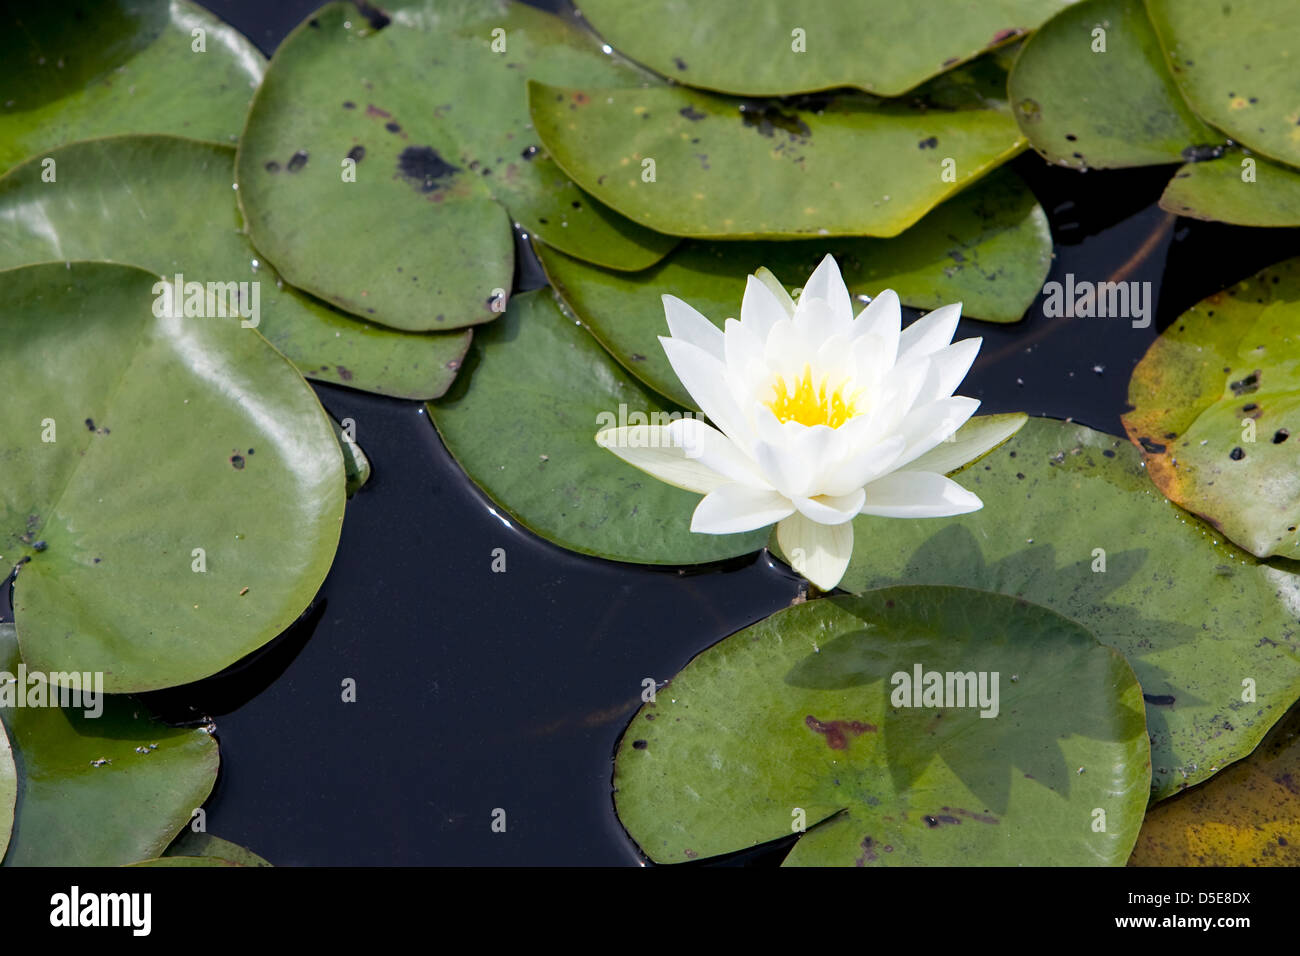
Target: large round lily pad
(522,422)
(1243,190)
(1235,64)
(435,123)
(1216,410)
(1071,521)
(1249,815)
(1091,90)
(693,164)
(773,48)
(173,490)
(74,70)
(166,204)
(826,713)
(988,247)
(99,790)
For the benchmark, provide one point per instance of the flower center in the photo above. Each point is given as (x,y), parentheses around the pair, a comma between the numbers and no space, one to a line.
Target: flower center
(810,404)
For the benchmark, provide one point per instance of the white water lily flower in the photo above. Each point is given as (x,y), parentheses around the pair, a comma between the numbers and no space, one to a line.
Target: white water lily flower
(820,417)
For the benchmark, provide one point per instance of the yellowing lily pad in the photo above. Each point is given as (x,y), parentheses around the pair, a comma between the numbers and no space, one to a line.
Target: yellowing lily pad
(842,716)
(771,48)
(1091,90)
(101,790)
(386,154)
(76,70)
(1071,521)
(173,490)
(166,204)
(1249,815)
(8,790)
(1216,411)
(988,247)
(1244,190)
(696,164)
(522,422)
(1234,62)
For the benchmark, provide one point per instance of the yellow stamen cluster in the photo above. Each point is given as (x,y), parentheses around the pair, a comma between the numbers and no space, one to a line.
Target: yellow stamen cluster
(809,404)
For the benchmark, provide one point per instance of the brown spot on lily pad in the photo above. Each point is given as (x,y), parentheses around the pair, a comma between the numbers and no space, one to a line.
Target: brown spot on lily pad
(837,732)
(868,852)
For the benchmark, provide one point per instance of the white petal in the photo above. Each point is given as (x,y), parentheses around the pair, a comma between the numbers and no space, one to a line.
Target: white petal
(862,466)
(733,508)
(815,321)
(704,377)
(765,276)
(688,325)
(948,367)
(918,494)
(975,439)
(901,389)
(819,552)
(816,449)
(827,284)
(652,449)
(930,424)
(871,357)
(761,308)
(831,509)
(715,451)
(743,349)
(785,471)
(787,349)
(882,317)
(929,333)
(834,359)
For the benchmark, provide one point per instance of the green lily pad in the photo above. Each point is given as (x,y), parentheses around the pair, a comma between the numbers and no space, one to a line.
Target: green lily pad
(1268,195)
(436,124)
(1234,64)
(8,790)
(77,70)
(522,423)
(750,47)
(1216,410)
(166,204)
(1103,100)
(356,466)
(100,790)
(131,441)
(1193,614)
(203,845)
(988,247)
(846,165)
(814,712)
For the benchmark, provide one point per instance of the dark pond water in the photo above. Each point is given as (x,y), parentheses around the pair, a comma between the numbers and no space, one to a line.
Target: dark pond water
(479,691)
